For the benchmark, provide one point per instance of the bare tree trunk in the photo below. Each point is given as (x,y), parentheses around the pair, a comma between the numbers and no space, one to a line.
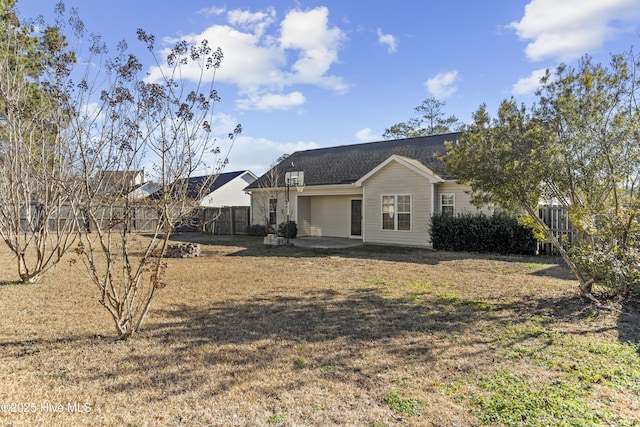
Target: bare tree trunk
(585,285)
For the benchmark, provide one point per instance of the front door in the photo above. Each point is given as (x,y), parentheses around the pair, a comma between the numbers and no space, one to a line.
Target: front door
(356,217)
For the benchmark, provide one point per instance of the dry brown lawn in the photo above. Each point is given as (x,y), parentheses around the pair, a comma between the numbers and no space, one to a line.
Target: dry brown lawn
(248,336)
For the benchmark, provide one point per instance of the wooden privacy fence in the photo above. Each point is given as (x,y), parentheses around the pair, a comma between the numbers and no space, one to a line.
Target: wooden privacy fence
(227,220)
(557,218)
(141,219)
(65,219)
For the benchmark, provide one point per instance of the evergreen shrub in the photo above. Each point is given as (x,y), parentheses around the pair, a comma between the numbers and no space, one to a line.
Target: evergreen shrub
(481,233)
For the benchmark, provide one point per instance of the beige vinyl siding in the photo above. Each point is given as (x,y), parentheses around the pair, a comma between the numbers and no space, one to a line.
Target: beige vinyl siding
(396,179)
(260,206)
(462,198)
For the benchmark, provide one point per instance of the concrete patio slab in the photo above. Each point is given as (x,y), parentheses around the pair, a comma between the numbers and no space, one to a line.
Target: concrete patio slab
(326,242)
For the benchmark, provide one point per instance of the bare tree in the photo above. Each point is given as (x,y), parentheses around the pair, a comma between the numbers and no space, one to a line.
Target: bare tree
(268,193)
(75,129)
(164,124)
(36,198)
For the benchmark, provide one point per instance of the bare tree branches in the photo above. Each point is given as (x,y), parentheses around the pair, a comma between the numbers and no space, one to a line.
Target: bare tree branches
(162,126)
(36,198)
(81,134)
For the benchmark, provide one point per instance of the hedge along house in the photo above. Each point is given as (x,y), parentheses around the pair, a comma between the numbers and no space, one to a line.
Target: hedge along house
(380,192)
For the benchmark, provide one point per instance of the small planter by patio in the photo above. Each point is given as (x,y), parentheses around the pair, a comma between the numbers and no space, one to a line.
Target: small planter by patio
(272,240)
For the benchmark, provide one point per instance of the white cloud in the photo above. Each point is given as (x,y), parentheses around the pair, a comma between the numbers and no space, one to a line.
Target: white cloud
(568,29)
(443,85)
(256,22)
(271,101)
(388,40)
(528,85)
(367,135)
(92,111)
(258,60)
(257,154)
(222,124)
(317,45)
(246,63)
(247,153)
(208,11)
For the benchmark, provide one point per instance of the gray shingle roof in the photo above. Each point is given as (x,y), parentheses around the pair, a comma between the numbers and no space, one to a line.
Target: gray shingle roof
(198,186)
(346,164)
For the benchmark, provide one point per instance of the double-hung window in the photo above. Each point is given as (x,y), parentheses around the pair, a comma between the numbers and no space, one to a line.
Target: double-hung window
(396,212)
(448,204)
(273,211)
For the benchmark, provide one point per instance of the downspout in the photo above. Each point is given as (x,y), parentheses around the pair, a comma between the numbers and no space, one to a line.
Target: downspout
(250,207)
(433,198)
(363,213)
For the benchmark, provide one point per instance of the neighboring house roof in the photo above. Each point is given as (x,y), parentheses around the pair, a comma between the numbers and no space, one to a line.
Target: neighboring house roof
(346,164)
(118,183)
(198,186)
(142,191)
(131,177)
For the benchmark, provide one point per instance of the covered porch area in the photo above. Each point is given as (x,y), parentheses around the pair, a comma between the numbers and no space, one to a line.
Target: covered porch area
(330,216)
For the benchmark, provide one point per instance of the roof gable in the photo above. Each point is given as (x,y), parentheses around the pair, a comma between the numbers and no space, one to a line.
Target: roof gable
(346,164)
(202,185)
(411,164)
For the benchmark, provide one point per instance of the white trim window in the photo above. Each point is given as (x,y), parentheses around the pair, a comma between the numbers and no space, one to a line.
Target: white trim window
(273,211)
(396,212)
(448,204)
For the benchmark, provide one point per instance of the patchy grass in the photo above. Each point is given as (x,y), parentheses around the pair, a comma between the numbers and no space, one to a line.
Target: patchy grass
(247,335)
(277,419)
(513,401)
(404,405)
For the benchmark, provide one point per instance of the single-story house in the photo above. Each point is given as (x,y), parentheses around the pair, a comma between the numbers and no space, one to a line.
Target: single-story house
(216,191)
(224,203)
(380,192)
(226,189)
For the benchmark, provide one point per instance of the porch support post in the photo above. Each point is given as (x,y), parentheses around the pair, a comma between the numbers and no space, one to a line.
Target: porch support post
(433,198)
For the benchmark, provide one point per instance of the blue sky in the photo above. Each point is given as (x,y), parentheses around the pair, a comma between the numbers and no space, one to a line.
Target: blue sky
(308,74)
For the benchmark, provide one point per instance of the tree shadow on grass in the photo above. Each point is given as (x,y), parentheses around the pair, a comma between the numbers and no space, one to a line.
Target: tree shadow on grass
(251,246)
(629,321)
(556,269)
(24,348)
(14,283)
(241,339)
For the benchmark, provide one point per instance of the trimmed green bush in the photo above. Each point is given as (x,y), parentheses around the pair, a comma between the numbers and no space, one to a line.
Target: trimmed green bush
(481,233)
(258,230)
(292,229)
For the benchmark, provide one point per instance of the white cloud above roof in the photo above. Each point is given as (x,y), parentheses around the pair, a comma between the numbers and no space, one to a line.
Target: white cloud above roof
(262,58)
(567,29)
(367,135)
(258,154)
(317,45)
(443,85)
(271,101)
